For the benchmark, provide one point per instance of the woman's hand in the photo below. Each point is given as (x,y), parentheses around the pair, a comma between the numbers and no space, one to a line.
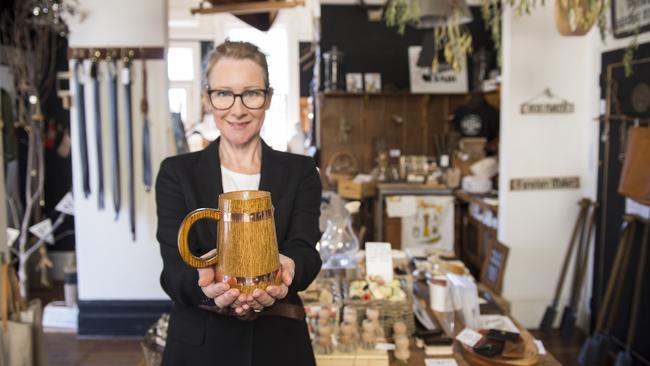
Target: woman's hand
(260,299)
(221,292)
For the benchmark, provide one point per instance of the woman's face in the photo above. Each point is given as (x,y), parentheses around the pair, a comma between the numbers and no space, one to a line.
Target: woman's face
(239,125)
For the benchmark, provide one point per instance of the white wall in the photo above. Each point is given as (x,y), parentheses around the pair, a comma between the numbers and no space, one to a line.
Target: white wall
(536,225)
(109,264)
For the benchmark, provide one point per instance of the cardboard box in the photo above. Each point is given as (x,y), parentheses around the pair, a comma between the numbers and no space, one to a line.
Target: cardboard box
(355,190)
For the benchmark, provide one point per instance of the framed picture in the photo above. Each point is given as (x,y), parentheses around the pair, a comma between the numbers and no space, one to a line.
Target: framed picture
(494,266)
(354,83)
(627,15)
(445,81)
(372,82)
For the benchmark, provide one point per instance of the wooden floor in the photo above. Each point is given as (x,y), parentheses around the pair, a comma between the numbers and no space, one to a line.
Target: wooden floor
(67,350)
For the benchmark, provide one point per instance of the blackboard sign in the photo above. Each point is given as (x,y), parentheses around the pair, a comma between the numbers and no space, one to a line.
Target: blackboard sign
(494,266)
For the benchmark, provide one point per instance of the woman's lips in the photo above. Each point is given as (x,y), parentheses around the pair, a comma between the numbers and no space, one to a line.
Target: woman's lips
(238,125)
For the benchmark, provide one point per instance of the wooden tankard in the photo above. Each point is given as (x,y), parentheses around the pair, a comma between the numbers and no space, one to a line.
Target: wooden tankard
(247,248)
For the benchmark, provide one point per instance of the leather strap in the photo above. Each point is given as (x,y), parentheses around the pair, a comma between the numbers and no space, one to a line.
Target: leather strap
(128,121)
(81,125)
(281,308)
(146,145)
(94,75)
(286,310)
(115,136)
(638,289)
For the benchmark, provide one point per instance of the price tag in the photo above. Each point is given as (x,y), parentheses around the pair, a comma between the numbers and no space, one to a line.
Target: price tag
(385,346)
(469,337)
(12,235)
(540,347)
(43,230)
(379,260)
(66,205)
(440,362)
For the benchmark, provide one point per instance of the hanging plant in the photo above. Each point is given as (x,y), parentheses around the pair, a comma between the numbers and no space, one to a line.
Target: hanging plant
(577,17)
(398,13)
(454,39)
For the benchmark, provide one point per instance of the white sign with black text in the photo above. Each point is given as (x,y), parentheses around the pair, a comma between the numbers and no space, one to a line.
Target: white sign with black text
(446,80)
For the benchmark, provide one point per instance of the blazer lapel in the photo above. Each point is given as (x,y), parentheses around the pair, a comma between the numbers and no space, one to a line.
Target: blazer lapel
(207,177)
(273,173)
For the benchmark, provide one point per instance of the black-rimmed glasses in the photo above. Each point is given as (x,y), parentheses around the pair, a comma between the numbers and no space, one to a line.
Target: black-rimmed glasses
(224,99)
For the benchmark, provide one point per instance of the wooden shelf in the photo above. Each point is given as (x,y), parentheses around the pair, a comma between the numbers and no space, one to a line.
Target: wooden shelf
(248,7)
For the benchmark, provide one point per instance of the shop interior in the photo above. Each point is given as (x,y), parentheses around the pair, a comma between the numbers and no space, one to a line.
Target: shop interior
(485,170)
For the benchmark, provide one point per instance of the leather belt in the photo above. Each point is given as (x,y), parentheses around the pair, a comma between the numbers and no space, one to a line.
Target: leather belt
(94,75)
(81,125)
(115,136)
(281,308)
(146,147)
(126,81)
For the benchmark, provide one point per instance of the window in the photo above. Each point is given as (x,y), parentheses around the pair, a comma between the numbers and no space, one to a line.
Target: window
(277,127)
(183,65)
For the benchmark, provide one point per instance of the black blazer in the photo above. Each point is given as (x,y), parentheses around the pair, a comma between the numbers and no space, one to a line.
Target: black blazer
(200,337)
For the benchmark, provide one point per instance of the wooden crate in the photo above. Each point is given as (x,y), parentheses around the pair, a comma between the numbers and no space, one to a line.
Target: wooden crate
(356,190)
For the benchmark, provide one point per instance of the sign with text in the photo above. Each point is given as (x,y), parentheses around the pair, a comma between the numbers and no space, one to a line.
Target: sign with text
(544,183)
(379,260)
(446,80)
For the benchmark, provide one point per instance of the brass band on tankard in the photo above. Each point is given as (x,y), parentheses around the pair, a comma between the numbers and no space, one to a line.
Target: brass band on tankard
(247,250)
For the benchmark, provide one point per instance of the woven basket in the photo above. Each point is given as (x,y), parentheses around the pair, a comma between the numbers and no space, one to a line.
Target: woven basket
(152,353)
(389,311)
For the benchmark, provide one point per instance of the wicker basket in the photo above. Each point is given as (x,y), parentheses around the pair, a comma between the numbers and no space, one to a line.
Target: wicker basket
(389,311)
(152,353)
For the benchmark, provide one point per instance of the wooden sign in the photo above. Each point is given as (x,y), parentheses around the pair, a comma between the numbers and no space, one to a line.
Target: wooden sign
(547,108)
(494,266)
(547,103)
(545,183)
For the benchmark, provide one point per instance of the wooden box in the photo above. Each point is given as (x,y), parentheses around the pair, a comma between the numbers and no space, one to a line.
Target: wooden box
(356,190)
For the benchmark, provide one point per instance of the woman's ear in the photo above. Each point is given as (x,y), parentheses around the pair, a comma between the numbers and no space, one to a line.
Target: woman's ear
(269,97)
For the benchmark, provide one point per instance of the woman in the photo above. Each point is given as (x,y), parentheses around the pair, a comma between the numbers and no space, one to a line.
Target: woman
(236,329)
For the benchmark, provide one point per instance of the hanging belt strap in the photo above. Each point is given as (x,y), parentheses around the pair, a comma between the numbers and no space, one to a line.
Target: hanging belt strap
(146,145)
(638,289)
(81,125)
(126,81)
(115,136)
(94,75)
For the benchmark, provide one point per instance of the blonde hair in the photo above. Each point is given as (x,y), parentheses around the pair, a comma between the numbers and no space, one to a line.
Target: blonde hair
(238,51)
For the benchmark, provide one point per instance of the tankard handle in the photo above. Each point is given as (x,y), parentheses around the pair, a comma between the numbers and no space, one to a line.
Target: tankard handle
(184,230)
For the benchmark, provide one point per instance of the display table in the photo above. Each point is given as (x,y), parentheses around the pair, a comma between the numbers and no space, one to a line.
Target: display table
(418,356)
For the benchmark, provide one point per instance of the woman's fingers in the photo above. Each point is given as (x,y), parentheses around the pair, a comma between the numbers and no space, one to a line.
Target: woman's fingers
(263,298)
(206,276)
(227,298)
(277,292)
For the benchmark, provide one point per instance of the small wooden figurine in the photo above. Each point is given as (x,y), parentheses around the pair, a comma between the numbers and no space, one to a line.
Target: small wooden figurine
(323,341)
(348,337)
(369,335)
(373,316)
(402,343)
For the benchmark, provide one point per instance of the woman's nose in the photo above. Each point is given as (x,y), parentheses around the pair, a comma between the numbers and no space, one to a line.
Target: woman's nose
(238,108)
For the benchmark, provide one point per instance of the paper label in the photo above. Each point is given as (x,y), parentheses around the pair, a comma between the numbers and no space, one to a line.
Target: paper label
(540,347)
(385,346)
(379,260)
(440,362)
(12,235)
(401,206)
(66,205)
(499,322)
(469,337)
(43,230)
